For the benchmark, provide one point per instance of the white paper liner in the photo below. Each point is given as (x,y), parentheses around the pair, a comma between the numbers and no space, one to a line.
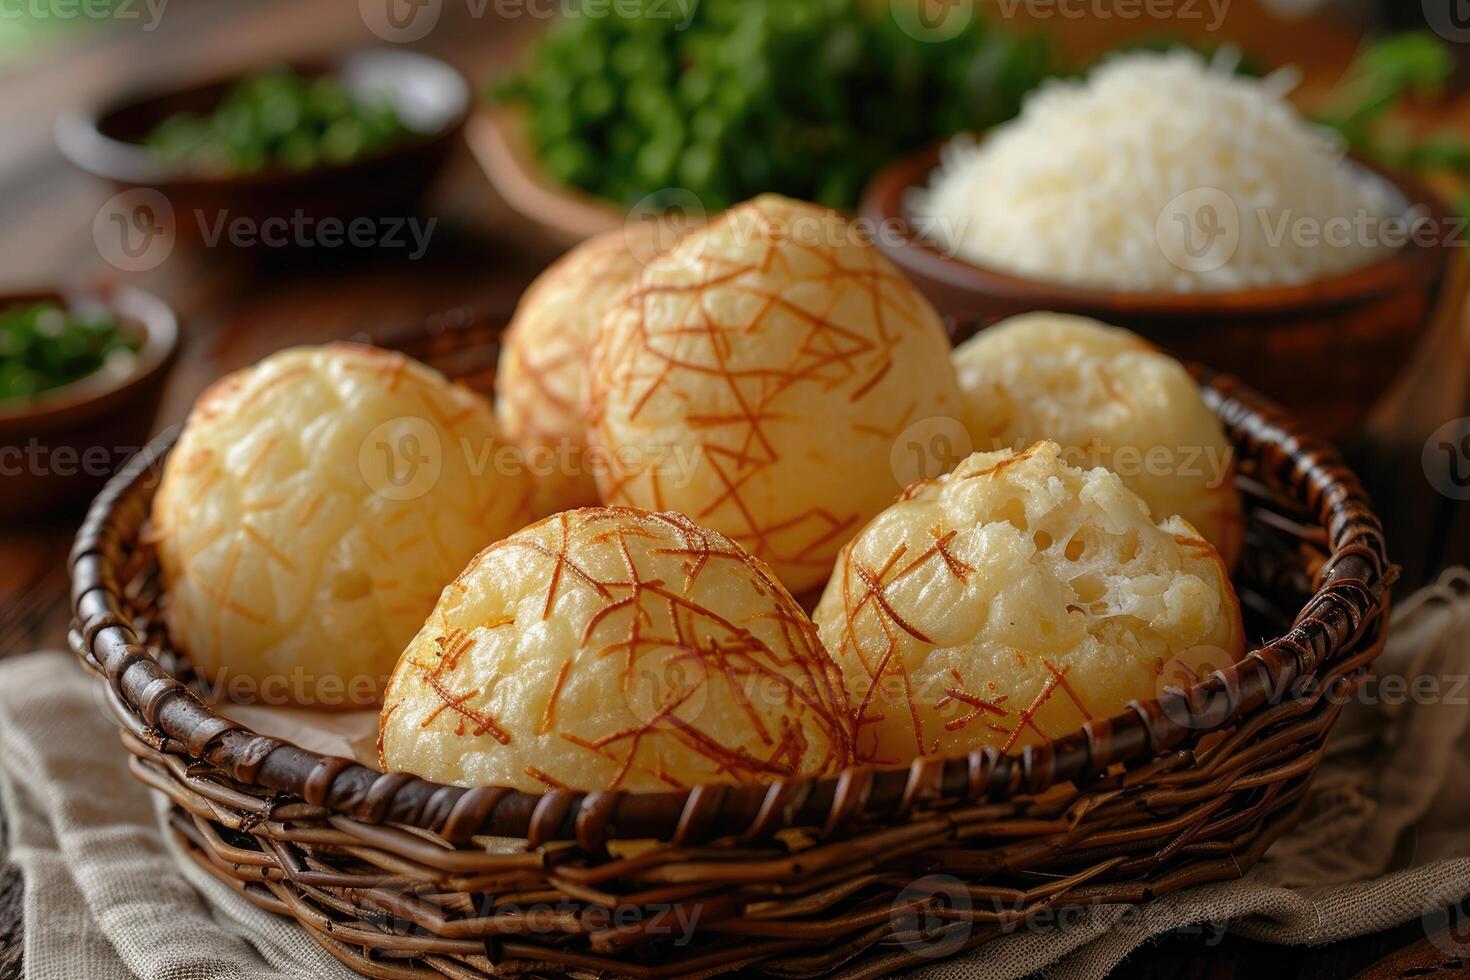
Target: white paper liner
(351,734)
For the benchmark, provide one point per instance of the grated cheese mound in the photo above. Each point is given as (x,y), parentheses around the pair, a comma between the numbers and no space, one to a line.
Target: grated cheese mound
(1158,172)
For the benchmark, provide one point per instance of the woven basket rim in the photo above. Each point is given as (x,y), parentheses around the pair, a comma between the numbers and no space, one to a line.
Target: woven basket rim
(1349,586)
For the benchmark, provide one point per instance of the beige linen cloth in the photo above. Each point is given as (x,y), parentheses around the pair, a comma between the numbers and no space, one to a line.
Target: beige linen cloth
(1386,838)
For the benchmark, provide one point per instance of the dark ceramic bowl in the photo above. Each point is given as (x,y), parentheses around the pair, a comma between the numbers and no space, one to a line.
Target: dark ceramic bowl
(1326,349)
(60,446)
(431,96)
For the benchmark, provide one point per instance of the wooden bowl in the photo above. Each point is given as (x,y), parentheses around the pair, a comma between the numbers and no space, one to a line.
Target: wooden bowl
(1327,349)
(498,139)
(432,97)
(61,446)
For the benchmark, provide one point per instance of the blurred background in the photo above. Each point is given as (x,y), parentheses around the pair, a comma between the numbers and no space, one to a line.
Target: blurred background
(500,176)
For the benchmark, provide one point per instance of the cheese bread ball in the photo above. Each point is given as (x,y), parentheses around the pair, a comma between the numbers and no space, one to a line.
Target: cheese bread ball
(538,386)
(611,648)
(311,513)
(757,377)
(1010,601)
(1111,399)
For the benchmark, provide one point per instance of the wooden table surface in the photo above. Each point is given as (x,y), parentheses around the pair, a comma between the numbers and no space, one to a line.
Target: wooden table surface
(237,308)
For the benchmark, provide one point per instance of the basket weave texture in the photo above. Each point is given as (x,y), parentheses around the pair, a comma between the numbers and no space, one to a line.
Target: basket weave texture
(862,874)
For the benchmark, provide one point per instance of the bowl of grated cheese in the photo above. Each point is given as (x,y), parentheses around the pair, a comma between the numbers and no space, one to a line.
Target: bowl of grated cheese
(1194,206)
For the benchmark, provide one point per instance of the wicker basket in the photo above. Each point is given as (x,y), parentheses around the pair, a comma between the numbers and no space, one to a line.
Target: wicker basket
(864,873)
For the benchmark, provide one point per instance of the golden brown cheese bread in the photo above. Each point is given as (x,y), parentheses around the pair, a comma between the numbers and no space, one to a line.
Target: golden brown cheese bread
(1110,399)
(315,506)
(538,385)
(1011,601)
(611,648)
(756,378)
